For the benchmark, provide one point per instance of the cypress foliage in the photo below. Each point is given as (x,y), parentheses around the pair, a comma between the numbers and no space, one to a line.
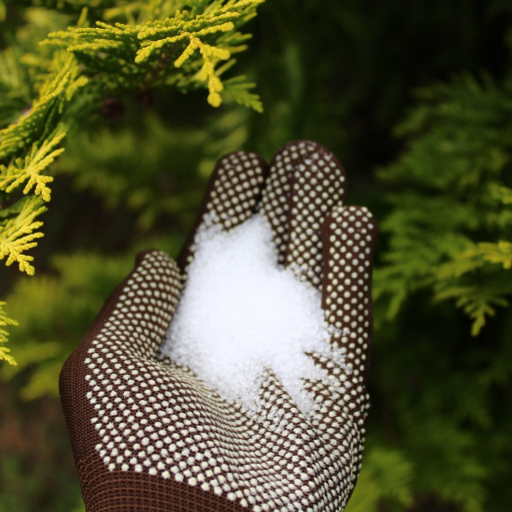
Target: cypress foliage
(162,43)
(448,237)
(4,321)
(451,224)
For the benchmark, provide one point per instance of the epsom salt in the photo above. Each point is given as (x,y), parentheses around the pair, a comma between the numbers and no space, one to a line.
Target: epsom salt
(241,312)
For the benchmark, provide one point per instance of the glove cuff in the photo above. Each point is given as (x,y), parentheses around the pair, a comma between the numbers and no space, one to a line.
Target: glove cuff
(128,491)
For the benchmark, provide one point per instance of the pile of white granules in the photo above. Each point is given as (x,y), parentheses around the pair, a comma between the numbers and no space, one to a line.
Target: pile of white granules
(241,312)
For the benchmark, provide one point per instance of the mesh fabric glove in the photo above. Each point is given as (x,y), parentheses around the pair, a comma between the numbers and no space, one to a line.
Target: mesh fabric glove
(147,435)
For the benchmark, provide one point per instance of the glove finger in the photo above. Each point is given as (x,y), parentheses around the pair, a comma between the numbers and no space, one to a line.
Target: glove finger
(348,236)
(231,197)
(275,205)
(305,182)
(318,185)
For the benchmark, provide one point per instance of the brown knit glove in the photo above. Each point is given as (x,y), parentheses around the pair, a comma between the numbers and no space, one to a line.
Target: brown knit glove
(147,435)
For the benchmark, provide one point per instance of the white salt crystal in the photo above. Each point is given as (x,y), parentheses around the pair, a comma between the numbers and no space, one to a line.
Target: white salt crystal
(241,312)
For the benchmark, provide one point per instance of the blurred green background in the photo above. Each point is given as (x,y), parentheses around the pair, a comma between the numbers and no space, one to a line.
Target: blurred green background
(415,98)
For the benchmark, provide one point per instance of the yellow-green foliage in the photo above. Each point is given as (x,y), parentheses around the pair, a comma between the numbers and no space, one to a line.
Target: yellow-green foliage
(45,89)
(4,321)
(28,146)
(17,234)
(385,475)
(183,49)
(451,225)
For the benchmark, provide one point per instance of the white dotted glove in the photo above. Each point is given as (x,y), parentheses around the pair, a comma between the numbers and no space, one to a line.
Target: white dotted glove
(147,434)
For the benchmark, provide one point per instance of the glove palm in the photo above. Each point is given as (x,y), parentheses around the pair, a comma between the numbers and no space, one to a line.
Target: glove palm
(147,434)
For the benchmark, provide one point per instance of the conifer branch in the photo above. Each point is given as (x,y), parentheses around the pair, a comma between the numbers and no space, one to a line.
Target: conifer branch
(182,49)
(476,302)
(122,57)
(18,232)
(497,253)
(29,170)
(238,89)
(4,321)
(41,120)
(459,148)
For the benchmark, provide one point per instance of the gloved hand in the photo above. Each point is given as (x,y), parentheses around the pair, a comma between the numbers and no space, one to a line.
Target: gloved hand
(147,435)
